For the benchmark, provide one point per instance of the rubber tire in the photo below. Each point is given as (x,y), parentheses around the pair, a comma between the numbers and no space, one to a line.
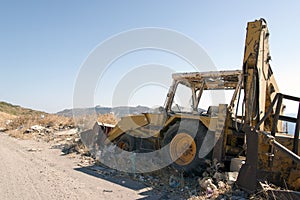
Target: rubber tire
(195,129)
(129,141)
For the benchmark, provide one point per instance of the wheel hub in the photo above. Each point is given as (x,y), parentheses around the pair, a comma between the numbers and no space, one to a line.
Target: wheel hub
(183,149)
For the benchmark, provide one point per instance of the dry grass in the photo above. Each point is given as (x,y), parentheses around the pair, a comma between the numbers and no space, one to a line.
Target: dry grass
(107,118)
(87,121)
(23,118)
(56,122)
(49,120)
(20,127)
(5,118)
(17,110)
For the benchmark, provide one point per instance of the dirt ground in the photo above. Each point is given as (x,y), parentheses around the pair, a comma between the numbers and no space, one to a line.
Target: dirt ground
(33,170)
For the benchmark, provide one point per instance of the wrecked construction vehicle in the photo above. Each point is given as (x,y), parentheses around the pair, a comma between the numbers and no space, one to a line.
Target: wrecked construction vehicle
(222,115)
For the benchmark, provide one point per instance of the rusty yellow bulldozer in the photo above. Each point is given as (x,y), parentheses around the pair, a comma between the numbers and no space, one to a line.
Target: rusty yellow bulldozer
(198,123)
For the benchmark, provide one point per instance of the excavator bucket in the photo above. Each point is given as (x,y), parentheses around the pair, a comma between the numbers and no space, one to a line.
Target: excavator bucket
(94,138)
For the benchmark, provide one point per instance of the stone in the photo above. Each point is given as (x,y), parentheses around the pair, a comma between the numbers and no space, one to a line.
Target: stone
(2,129)
(219,176)
(174,182)
(207,182)
(221,185)
(37,128)
(231,177)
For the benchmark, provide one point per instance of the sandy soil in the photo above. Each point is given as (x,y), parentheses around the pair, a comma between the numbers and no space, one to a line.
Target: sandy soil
(32,170)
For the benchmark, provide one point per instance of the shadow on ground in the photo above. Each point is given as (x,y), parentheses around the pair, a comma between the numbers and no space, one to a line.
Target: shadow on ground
(114,177)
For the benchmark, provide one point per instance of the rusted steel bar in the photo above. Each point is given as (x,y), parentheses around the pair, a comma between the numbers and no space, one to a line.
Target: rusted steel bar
(271,140)
(296,135)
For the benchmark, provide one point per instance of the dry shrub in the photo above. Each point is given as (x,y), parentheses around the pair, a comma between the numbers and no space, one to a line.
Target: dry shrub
(108,118)
(49,120)
(5,118)
(57,121)
(85,122)
(22,123)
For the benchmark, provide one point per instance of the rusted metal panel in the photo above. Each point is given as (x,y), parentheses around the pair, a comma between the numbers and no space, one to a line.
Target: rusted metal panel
(202,75)
(211,80)
(219,133)
(156,119)
(247,178)
(209,122)
(126,124)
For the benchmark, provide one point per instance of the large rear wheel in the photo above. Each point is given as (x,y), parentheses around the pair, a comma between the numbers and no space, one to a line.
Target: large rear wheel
(183,141)
(183,149)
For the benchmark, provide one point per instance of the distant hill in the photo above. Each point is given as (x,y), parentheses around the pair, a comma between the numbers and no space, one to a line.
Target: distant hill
(17,110)
(118,111)
(9,112)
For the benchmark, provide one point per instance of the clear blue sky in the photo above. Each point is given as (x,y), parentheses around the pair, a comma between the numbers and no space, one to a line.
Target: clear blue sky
(43,43)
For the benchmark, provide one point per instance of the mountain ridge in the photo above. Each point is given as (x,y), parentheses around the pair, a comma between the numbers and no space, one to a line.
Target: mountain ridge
(119,111)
